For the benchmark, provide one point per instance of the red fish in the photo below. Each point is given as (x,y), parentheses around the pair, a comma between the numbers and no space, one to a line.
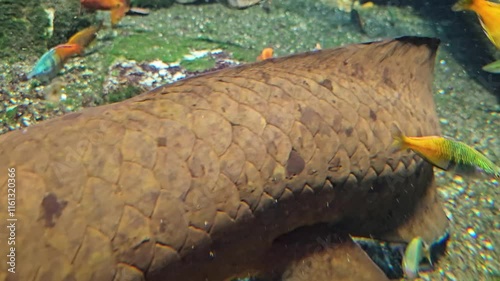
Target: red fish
(118,8)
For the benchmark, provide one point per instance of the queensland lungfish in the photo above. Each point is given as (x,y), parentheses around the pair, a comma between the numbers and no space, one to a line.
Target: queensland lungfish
(261,169)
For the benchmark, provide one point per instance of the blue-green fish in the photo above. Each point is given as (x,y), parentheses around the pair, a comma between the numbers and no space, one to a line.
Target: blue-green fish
(415,252)
(53,60)
(493,67)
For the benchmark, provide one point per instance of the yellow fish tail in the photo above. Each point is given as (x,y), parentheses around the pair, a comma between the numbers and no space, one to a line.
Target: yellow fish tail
(398,137)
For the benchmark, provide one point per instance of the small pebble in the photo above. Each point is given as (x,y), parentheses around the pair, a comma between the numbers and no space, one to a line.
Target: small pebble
(476,212)
(128,64)
(471,232)
(196,55)
(451,276)
(158,64)
(444,121)
(487,244)
(162,72)
(148,82)
(458,179)
(178,76)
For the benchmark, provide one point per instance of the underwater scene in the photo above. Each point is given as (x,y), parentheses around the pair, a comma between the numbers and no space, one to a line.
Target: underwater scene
(255,140)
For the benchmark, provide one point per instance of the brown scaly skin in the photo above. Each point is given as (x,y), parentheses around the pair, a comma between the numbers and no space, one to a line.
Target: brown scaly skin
(202,179)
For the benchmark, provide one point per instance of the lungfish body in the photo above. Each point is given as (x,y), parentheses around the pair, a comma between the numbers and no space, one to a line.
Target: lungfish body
(231,173)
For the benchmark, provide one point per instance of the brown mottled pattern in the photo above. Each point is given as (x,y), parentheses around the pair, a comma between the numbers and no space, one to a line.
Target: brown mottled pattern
(195,180)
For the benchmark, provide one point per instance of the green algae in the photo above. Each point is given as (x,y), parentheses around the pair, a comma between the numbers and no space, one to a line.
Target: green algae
(69,18)
(9,116)
(198,64)
(24,27)
(141,47)
(123,94)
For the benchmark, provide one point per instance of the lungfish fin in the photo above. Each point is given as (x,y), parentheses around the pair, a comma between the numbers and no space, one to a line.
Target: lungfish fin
(317,253)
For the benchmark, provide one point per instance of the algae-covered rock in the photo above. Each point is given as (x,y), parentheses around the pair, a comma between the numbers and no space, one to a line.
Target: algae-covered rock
(28,29)
(69,18)
(186,1)
(240,3)
(24,27)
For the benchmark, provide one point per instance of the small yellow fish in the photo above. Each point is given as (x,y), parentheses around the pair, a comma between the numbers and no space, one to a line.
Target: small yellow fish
(446,154)
(489,16)
(415,252)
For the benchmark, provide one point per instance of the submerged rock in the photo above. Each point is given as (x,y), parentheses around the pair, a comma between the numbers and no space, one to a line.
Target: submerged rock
(23,27)
(231,3)
(186,1)
(240,3)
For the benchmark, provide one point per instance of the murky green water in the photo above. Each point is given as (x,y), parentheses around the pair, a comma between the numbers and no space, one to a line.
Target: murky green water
(467,98)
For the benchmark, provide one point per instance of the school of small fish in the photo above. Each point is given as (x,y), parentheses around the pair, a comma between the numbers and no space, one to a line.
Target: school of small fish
(489,16)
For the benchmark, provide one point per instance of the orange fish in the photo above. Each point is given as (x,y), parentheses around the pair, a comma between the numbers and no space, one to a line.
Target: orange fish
(65,51)
(84,37)
(267,53)
(489,16)
(118,8)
